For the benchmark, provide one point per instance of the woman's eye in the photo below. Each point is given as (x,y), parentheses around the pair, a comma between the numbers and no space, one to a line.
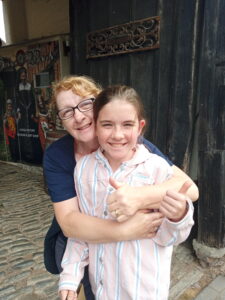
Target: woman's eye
(106,125)
(68,112)
(86,106)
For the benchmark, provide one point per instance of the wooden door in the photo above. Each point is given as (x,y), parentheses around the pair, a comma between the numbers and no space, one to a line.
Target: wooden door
(182,84)
(164,77)
(211,95)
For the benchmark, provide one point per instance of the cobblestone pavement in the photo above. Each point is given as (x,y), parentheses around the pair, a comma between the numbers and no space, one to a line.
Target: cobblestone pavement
(25,215)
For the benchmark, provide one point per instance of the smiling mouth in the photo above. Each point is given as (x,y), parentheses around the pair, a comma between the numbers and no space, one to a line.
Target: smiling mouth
(117,145)
(84,127)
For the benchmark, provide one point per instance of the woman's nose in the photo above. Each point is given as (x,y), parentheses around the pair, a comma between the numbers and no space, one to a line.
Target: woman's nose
(78,115)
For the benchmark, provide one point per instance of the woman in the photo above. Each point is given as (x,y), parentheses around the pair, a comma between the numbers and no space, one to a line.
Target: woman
(74,98)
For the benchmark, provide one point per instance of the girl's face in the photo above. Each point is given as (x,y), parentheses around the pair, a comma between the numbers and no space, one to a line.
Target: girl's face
(81,124)
(117,129)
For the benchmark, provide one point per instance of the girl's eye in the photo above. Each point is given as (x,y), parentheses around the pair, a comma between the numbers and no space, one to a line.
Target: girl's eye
(129,125)
(106,125)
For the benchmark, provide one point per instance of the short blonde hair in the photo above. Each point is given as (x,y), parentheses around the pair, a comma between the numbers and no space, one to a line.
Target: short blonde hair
(80,85)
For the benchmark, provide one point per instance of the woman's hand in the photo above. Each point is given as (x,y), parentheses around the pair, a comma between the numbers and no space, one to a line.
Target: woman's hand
(144,224)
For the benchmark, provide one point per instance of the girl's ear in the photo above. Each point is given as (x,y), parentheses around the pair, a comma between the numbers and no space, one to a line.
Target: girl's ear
(141,125)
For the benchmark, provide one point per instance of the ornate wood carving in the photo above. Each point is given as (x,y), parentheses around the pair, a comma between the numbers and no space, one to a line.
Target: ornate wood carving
(140,35)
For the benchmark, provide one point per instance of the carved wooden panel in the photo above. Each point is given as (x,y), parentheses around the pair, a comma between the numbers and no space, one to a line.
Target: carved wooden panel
(134,36)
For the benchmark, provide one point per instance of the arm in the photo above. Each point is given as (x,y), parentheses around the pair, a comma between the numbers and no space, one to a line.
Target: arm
(75,258)
(178,211)
(96,230)
(127,200)
(174,232)
(58,169)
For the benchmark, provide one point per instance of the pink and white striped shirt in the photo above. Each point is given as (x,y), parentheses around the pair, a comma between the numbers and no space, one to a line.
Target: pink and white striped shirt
(129,270)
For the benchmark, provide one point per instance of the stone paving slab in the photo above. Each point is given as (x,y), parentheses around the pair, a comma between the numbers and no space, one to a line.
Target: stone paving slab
(214,291)
(25,215)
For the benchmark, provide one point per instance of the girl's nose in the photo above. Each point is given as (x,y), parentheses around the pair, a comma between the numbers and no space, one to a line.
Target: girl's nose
(117,133)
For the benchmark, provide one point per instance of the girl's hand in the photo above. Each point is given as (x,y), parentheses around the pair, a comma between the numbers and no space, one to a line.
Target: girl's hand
(68,295)
(174,205)
(122,202)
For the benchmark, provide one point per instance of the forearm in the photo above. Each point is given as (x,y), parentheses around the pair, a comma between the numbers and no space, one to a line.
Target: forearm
(178,180)
(151,196)
(126,200)
(91,229)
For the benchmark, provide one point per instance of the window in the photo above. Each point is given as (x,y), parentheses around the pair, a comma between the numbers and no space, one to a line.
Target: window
(42,80)
(2,24)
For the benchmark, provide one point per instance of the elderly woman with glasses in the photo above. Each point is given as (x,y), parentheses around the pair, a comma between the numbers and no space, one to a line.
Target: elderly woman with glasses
(74,97)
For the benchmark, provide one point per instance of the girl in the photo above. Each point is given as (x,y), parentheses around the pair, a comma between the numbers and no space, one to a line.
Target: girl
(138,269)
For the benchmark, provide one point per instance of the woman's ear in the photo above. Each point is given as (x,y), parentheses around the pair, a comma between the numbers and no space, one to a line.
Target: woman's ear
(141,125)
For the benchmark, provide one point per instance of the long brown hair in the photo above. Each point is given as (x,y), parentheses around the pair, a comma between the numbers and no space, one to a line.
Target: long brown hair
(122,92)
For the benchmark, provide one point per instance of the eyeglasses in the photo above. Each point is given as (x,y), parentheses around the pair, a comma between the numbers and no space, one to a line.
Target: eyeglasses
(69,112)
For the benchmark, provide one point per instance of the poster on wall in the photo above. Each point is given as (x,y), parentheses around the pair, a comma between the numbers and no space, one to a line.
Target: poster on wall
(25,93)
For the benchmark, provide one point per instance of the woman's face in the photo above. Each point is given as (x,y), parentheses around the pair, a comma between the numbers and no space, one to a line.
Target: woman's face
(81,124)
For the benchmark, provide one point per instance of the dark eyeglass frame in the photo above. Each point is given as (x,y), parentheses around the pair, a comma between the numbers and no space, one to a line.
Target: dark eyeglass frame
(74,108)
